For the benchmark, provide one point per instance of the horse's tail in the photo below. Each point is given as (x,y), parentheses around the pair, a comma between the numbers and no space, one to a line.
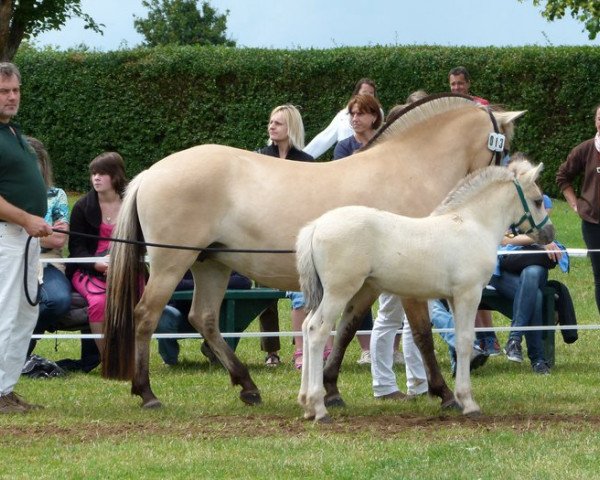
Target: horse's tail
(310,283)
(125,277)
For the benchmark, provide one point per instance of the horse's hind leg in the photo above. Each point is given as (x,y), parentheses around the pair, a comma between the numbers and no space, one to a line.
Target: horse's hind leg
(420,324)
(210,283)
(352,316)
(147,314)
(302,394)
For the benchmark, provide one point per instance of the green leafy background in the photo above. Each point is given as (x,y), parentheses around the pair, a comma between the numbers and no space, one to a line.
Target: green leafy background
(148,103)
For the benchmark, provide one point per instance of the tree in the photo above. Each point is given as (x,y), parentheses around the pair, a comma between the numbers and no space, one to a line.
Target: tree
(22,19)
(180,22)
(585,11)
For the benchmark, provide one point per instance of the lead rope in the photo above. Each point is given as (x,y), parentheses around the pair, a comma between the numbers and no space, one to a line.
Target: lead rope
(31,302)
(202,250)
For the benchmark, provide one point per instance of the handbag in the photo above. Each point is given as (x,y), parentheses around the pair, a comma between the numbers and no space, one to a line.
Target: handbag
(516,263)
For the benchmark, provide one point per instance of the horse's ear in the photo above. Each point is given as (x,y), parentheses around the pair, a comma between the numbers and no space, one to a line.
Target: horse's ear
(508,117)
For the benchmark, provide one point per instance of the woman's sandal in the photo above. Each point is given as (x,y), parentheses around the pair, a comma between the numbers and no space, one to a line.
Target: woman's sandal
(298,359)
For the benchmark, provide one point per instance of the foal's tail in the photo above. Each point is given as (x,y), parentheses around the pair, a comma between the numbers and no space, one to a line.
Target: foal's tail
(125,278)
(310,283)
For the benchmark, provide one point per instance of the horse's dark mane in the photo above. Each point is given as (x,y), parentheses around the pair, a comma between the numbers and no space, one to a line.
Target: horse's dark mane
(425,108)
(472,184)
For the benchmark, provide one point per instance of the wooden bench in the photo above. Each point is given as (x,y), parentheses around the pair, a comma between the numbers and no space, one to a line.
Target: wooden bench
(492,300)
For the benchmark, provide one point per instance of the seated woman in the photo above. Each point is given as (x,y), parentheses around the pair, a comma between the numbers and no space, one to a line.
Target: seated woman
(55,289)
(525,289)
(96,214)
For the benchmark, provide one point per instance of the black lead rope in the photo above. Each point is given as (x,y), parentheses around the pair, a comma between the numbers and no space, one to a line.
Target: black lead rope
(202,250)
(175,247)
(31,302)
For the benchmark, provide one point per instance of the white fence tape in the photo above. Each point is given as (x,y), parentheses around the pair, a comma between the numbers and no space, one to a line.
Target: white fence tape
(293,334)
(573,252)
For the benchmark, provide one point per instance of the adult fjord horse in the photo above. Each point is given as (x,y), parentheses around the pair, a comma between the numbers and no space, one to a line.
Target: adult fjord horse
(415,257)
(216,196)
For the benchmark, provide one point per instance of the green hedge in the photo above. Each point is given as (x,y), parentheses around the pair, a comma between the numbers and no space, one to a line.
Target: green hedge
(148,103)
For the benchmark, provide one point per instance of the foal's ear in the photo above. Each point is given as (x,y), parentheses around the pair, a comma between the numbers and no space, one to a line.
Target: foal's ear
(533,174)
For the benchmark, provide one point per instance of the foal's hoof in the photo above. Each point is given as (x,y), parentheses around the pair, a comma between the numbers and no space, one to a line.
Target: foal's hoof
(251,398)
(451,405)
(154,403)
(335,402)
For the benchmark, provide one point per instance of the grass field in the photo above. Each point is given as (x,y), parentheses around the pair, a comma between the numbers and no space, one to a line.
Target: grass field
(531,427)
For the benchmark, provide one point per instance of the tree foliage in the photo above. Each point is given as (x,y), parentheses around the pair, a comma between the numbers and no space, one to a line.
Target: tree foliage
(22,19)
(585,11)
(180,22)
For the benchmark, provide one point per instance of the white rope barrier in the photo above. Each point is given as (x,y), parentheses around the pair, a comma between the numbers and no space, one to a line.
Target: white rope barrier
(573,252)
(180,336)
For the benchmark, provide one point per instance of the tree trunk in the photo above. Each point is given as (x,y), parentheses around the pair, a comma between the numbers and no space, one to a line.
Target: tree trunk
(5,16)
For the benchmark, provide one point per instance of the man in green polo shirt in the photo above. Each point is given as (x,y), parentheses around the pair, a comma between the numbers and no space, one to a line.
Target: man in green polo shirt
(22,209)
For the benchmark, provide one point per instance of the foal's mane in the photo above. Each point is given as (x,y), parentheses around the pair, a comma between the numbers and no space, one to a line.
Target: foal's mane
(472,185)
(418,112)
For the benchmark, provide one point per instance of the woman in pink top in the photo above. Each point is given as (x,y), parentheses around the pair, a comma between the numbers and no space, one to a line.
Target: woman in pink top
(96,214)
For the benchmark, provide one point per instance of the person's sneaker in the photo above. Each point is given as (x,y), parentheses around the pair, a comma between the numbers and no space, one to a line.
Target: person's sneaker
(272,360)
(398,358)
(396,396)
(365,358)
(541,368)
(513,350)
(478,358)
(490,346)
(17,399)
(8,406)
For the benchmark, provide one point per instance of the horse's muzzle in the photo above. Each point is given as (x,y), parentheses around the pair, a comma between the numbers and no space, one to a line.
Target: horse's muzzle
(546,234)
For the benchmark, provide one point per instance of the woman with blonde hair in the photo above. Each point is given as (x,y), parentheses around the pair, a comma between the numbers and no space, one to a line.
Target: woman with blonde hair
(286,140)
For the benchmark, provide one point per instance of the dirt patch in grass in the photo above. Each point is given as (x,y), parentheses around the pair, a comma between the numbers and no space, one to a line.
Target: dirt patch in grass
(256,426)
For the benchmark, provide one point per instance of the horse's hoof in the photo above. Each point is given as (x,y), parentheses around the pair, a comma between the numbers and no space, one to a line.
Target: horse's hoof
(474,415)
(335,402)
(451,405)
(251,398)
(324,420)
(154,403)
(309,416)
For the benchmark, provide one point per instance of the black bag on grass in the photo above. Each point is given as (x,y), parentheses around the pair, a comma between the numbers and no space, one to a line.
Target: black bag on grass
(40,367)
(565,310)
